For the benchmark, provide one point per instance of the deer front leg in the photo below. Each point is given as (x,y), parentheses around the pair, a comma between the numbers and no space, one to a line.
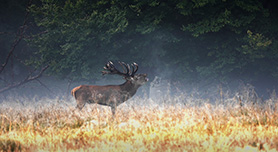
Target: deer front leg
(80,104)
(78,107)
(113,109)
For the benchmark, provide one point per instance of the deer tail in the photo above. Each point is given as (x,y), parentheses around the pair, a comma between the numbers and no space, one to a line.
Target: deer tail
(73,91)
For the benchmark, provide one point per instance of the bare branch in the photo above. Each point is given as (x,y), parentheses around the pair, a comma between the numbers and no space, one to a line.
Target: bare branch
(22,62)
(3,33)
(18,38)
(34,36)
(42,84)
(27,79)
(10,54)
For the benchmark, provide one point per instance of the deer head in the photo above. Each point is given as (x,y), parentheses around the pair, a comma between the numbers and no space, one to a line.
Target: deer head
(128,74)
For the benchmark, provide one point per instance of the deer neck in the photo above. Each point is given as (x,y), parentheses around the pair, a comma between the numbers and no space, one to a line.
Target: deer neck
(129,87)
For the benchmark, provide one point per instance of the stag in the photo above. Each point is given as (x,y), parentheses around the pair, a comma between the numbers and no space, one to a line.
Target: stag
(111,95)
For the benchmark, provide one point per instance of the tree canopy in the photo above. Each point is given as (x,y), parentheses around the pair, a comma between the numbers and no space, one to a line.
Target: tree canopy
(215,40)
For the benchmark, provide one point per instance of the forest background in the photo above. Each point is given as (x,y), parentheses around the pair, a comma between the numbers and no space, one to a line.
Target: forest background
(202,43)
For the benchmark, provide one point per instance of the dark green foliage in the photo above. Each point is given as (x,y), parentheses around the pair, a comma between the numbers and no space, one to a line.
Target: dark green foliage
(77,36)
(213,39)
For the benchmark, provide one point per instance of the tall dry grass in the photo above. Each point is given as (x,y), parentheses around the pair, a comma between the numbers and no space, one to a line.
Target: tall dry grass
(181,123)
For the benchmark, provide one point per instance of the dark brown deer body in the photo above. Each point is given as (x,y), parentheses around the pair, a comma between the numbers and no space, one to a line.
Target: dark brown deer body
(110,95)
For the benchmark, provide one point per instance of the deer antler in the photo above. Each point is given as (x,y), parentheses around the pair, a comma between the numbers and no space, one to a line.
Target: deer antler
(111,69)
(134,68)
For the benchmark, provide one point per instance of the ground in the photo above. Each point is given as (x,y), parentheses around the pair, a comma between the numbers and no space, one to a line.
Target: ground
(180,123)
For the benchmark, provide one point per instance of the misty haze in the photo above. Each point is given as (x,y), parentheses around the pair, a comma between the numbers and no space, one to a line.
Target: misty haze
(81,75)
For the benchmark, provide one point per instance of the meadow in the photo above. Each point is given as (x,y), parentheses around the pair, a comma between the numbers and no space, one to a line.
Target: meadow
(179,123)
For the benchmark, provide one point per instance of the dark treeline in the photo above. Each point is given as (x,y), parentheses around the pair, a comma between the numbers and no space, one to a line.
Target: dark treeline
(213,41)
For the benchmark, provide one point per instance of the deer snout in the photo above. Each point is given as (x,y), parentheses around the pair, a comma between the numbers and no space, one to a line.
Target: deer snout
(145,75)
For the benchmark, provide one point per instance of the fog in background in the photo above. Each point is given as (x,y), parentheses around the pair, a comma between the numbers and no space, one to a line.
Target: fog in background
(156,55)
(159,88)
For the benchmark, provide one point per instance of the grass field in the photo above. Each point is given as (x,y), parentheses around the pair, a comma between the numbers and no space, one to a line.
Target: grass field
(180,124)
